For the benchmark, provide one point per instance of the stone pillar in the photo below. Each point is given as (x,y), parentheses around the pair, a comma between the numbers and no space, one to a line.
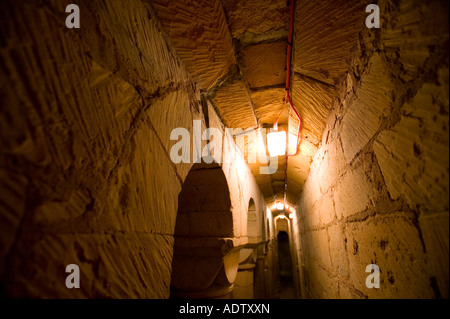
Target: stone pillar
(254,277)
(204,268)
(243,288)
(243,285)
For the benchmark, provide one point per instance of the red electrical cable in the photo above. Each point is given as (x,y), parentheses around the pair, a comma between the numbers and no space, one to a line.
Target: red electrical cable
(275,125)
(288,97)
(288,80)
(299,126)
(290,39)
(288,72)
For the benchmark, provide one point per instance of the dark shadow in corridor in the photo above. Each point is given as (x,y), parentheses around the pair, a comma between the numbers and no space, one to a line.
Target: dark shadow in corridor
(286,288)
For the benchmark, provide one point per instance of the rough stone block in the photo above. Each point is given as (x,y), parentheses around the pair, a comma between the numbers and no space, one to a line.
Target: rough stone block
(210,184)
(126,39)
(199,32)
(322,283)
(338,249)
(246,16)
(194,273)
(231,98)
(411,36)
(264,64)
(146,190)
(436,237)
(268,104)
(392,243)
(119,265)
(319,247)
(208,223)
(326,209)
(312,186)
(413,155)
(182,226)
(244,278)
(12,207)
(348,292)
(311,213)
(319,42)
(216,143)
(363,117)
(353,193)
(313,100)
(172,111)
(331,166)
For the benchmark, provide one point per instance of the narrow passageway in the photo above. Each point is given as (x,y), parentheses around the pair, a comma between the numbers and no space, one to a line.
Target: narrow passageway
(224,149)
(286,288)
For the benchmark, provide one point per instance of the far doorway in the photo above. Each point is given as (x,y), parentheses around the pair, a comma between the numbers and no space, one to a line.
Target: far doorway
(286,288)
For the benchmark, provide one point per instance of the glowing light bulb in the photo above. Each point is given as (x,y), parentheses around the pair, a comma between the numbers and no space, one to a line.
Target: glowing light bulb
(291,216)
(282,217)
(276,142)
(280,206)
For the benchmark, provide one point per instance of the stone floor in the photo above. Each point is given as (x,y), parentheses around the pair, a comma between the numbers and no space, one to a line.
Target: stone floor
(284,288)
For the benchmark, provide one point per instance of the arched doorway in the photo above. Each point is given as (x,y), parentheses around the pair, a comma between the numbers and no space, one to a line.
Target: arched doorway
(204,264)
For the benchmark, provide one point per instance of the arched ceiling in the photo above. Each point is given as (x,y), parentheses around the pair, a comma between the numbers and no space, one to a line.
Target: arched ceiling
(235,50)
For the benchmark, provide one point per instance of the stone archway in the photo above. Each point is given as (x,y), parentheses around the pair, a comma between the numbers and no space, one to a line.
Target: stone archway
(205,261)
(250,281)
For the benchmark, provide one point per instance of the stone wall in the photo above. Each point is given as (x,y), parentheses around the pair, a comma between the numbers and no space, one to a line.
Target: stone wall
(377,191)
(85,171)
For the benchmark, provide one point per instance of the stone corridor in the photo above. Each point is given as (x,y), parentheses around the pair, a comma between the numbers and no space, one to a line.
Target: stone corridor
(137,147)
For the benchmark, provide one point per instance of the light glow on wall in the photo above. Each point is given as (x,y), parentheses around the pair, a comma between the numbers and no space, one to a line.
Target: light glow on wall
(292,145)
(241,164)
(260,145)
(287,207)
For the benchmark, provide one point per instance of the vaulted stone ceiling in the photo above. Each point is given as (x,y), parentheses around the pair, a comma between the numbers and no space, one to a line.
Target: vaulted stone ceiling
(236,52)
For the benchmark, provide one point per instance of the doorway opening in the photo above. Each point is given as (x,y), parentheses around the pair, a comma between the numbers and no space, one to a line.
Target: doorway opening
(285,266)
(202,266)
